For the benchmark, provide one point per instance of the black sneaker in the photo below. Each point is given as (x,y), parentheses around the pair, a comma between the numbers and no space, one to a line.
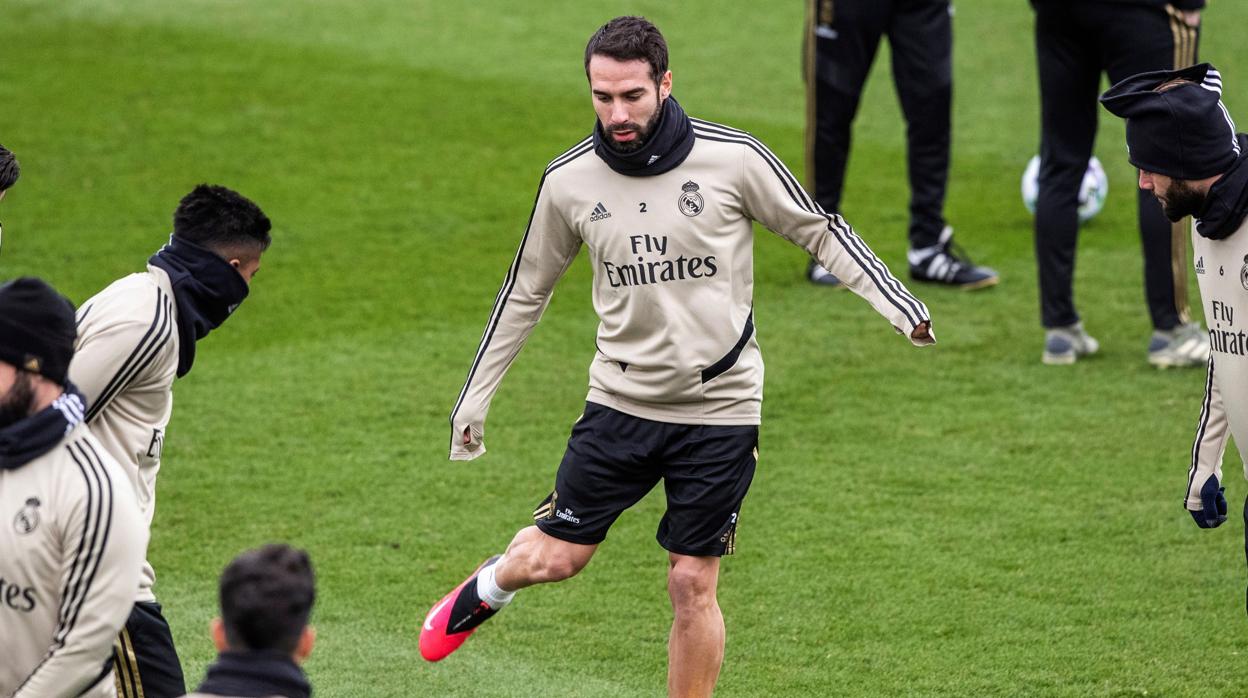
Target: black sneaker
(948,264)
(818,275)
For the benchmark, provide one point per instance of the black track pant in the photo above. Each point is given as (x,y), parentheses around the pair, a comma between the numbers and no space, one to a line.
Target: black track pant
(144,659)
(1075,43)
(840,48)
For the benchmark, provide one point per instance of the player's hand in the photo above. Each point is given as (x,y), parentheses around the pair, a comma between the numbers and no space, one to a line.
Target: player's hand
(1213,503)
(923,332)
(467,444)
(1190,17)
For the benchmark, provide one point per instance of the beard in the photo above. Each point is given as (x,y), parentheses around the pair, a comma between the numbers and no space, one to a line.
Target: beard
(1181,200)
(643,132)
(15,404)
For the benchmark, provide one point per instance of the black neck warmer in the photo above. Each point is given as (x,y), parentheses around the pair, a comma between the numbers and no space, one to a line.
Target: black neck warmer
(248,674)
(207,289)
(1226,206)
(27,439)
(667,147)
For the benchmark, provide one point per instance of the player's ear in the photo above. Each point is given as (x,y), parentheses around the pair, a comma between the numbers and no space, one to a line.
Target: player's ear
(665,86)
(306,641)
(217,628)
(236,263)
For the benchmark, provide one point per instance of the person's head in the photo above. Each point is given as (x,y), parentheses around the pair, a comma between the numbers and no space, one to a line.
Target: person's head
(1179,198)
(9,170)
(225,222)
(626,64)
(37,332)
(266,599)
(1179,134)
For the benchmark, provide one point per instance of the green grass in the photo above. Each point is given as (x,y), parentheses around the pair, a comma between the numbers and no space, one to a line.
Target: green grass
(954,521)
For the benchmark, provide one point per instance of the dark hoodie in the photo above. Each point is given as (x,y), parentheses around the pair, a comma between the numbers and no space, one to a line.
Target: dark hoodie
(258,674)
(1227,204)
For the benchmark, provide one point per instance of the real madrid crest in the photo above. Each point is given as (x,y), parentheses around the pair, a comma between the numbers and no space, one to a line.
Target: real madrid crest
(1243,274)
(27,519)
(690,202)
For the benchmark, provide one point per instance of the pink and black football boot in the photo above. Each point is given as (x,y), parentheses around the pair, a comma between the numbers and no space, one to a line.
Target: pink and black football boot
(453,619)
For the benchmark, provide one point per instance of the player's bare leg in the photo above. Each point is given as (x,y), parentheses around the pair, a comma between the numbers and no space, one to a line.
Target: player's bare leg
(537,558)
(532,558)
(695,649)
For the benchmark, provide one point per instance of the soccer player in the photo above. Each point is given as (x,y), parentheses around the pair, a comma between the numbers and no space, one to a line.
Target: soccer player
(9,172)
(1077,40)
(1181,137)
(665,205)
(263,634)
(71,535)
(135,338)
(841,41)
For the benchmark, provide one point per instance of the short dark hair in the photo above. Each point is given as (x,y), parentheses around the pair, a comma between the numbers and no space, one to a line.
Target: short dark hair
(9,169)
(221,220)
(266,598)
(630,39)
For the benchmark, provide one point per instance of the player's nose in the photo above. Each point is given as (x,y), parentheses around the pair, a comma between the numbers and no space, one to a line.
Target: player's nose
(1146,181)
(619,113)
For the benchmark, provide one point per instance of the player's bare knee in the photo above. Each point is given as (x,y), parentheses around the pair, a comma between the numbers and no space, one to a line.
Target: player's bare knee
(691,587)
(559,567)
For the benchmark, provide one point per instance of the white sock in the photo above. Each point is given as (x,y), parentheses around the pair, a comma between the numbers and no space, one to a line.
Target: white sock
(490,592)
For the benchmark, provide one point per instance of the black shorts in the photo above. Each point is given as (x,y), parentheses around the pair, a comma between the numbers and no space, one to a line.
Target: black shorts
(614,459)
(145,662)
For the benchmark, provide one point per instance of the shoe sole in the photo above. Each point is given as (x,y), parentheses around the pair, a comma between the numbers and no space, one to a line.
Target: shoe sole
(977,285)
(972,286)
(435,644)
(1058,359)
(1164,363)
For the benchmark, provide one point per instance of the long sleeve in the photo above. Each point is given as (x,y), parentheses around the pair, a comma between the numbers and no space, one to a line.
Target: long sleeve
(1210,443)
(115,349)
(103,542)
(773,197)
(546,251)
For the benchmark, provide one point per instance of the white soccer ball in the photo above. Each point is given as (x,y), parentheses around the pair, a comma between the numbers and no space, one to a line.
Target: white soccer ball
(1092,191)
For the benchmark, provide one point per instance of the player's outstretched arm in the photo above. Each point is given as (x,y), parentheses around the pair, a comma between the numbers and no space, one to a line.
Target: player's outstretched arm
(103,543)
(772,196)
(1204,477)
(546,251)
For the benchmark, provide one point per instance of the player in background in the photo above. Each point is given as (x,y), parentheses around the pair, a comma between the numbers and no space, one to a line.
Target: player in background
(841,40)
(71,535)
(1076,41)
(263,635)
(9,172)
(665,204)
(1183,140)
(135,338)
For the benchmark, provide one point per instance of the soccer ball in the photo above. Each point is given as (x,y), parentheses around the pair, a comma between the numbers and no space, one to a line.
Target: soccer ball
(1092,191)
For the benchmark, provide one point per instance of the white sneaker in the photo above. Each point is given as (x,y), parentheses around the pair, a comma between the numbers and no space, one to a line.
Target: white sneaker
(1184,346)
(1064,345)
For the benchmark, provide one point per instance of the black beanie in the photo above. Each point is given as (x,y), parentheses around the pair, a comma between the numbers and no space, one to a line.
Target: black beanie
(1184,132)
(37,328)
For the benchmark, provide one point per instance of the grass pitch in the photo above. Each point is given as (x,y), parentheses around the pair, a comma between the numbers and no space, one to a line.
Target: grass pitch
(953,521)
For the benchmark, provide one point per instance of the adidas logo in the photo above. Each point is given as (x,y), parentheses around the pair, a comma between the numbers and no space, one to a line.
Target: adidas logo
(600,212)
(1200,265)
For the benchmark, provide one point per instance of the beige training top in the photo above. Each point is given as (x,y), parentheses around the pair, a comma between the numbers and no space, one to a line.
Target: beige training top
(673,285)
(1222,272)
(125,362)
(72,542)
